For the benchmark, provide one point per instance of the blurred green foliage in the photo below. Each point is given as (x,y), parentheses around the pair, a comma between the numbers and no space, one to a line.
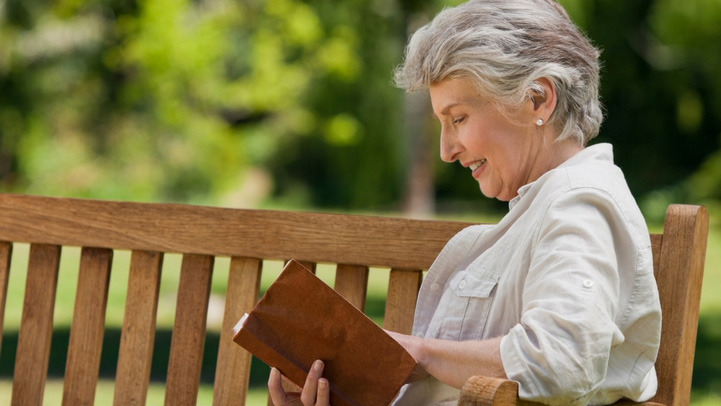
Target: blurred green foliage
(240,102)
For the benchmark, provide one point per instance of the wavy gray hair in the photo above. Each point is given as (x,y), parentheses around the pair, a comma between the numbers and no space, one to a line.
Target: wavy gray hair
(502,47)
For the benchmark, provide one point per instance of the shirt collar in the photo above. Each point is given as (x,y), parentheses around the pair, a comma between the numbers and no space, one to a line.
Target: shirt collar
(599,152)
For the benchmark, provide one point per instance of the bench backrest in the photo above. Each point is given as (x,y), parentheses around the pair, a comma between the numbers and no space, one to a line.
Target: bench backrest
(403,247)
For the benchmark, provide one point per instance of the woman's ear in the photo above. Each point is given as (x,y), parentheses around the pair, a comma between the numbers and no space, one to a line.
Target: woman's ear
(537,99)
(542,99)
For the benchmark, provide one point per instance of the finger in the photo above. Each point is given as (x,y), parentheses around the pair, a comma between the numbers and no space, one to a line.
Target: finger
(275,387)
(289,386)
(323,398)
(310,389)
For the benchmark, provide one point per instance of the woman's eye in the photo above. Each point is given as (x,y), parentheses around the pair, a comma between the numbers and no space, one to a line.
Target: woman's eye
(459,120)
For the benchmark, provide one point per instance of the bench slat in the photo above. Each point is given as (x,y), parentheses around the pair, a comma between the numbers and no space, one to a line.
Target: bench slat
(267,234)
(88,327)
(684,227)
(36,328)
(6,250)
(308,264)
(656,242)
(351,282)
(403,288)
(232,372)
(138,335)
(186,347)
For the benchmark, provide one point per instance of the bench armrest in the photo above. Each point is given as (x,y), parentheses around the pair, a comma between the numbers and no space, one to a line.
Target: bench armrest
(487,391)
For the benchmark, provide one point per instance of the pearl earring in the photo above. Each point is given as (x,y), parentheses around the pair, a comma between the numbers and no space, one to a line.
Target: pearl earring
(539,122)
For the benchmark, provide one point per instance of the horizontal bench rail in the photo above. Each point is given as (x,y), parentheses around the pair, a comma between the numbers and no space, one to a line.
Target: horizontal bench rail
(267,234)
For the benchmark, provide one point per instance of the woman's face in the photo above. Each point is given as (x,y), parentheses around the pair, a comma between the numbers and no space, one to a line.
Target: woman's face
(501,152)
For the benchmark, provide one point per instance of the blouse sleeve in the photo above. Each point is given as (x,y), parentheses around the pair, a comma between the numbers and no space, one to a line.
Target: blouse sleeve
(559,351)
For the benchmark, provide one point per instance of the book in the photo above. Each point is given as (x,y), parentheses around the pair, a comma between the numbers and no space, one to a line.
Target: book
(301,319)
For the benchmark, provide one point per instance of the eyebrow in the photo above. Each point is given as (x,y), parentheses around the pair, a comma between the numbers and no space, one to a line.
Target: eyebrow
(445,109)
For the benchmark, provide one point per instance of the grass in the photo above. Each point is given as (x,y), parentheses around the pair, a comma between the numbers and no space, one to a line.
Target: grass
(707,369)
(104,394)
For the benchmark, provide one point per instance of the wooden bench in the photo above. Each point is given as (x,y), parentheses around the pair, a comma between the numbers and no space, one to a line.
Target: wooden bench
(402,247)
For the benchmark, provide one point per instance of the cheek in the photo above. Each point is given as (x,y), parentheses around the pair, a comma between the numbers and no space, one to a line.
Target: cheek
(507,166)
(474,141)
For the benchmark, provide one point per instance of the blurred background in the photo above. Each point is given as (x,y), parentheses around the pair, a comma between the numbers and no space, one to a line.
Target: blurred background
(289,104)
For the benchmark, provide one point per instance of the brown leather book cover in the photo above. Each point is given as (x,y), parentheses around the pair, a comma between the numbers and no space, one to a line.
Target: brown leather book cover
(300,319)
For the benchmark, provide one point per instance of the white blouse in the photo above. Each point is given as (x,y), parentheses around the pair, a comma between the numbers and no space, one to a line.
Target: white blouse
(566,277)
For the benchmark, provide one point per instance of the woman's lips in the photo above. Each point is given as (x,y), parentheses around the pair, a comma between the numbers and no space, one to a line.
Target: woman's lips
(477,167)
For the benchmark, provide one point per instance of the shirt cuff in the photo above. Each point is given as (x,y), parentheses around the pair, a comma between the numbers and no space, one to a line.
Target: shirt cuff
(515,370)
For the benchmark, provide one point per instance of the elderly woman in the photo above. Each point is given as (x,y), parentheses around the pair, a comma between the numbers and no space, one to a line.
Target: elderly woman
(559,295)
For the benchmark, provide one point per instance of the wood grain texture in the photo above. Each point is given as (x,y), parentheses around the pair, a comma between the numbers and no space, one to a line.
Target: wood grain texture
(138,335)
(351,282)
(403,288)
(656,241)
(86,334)
(488,391)
(6,251)
(629,403)
(232,371)
(333,238)
(308,264)
(186,347)
(36,328)
(679,278)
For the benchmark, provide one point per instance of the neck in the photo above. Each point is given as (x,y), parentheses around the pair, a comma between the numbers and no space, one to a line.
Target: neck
(563,151)
(551,154)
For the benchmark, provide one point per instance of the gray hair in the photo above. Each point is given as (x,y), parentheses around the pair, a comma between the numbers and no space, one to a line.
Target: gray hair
(502,47)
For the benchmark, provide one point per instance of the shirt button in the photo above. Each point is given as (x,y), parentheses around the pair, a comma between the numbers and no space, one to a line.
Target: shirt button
(435,286)
(419,335)
(588,284)
(462,284)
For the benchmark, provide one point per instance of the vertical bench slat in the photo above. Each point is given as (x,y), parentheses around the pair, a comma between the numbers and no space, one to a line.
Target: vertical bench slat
(86,335)
(403,288)
(186,348)
(287,384)
(308,264)
(680,275)
(138,335)
(233,369)
(656,244)
(6,250)
(351,282)
(36,328)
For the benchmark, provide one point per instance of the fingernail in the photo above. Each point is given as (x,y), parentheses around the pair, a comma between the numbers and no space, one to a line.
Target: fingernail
(318,365)
(274,371)
(322,382)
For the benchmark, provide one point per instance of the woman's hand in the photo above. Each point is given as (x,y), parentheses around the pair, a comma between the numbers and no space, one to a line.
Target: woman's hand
(412,345)
(315,392)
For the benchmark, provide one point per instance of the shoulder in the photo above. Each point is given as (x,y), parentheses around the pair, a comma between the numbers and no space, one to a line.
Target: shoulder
(595,194)
(592,168)
(591,172)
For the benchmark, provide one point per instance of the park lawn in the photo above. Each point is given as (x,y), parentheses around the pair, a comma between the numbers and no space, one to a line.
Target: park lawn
(104,394)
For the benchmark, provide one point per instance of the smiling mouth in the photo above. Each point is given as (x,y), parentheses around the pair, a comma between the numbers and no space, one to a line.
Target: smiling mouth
(477,165)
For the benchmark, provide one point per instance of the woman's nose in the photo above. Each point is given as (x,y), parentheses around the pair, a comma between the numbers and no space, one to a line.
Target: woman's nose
(450,147)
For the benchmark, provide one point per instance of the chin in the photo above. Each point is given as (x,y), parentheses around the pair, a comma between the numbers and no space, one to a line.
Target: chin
(496,195)
(490,195)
